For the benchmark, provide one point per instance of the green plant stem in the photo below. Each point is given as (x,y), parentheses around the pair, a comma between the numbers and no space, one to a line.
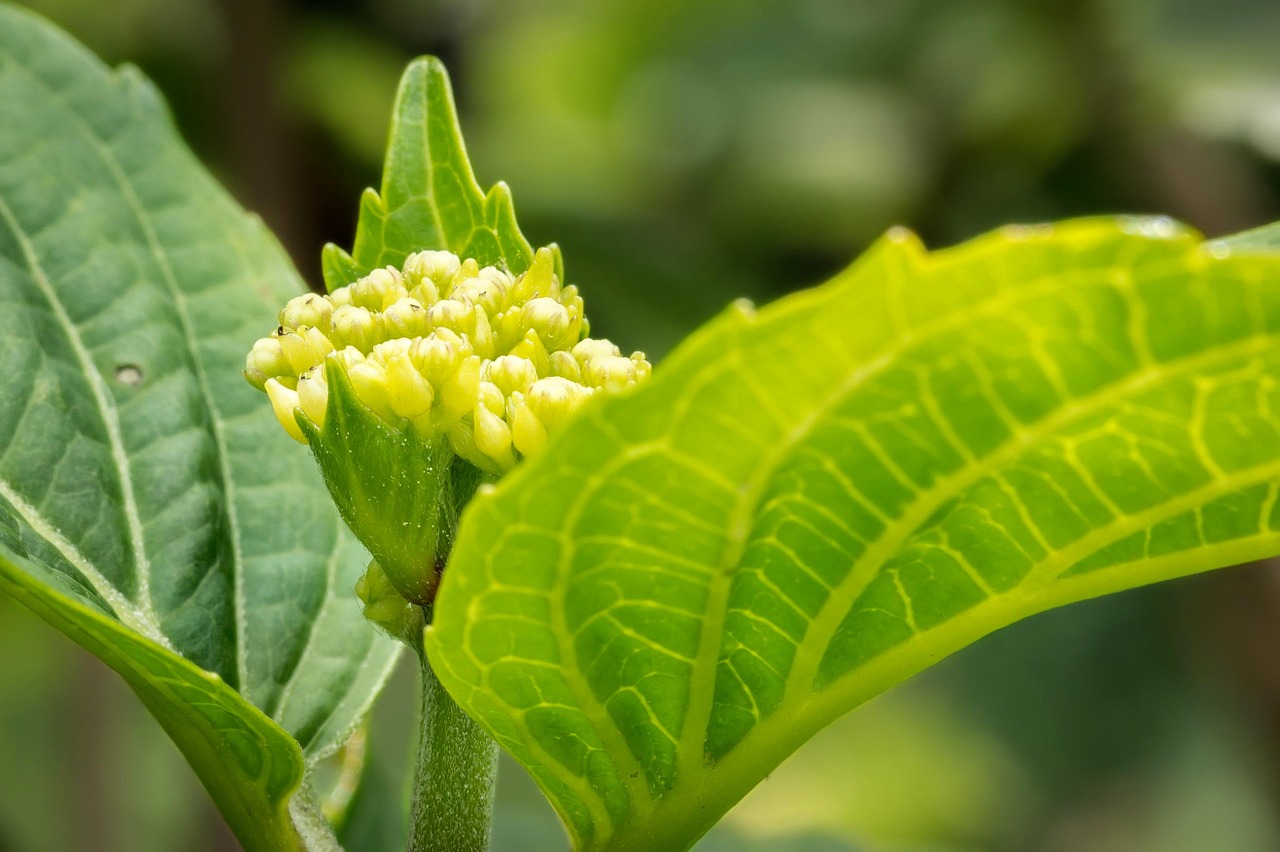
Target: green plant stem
(455,774)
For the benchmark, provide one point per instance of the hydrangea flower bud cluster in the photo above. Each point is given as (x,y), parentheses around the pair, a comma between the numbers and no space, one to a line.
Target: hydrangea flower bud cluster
(490,360)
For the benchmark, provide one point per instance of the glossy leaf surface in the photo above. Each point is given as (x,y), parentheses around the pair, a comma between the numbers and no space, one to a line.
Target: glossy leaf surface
(810,503)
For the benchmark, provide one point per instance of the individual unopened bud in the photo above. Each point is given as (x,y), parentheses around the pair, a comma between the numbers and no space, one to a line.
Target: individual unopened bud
(563,364)
(469,268)
(489,290)
(490,396)
(284,403)
(553,399)
(346,356)
(313,395)
(266,361)
(439,355)
(511,373)
(539,279)
(384,606)
(410,393)
(532,348)
(551,321)
(459,393)
(380,289)
(309,310)
(405,319)
(354,326)
(369,381)
(481,333)
(528,435)
(453,315)
(436,268)
(643,368)
(588,350)
(304,348)
(492,436)
(613,374)
(426,293)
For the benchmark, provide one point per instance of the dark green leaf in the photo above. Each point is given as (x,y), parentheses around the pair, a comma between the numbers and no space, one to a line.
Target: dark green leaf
(149,506)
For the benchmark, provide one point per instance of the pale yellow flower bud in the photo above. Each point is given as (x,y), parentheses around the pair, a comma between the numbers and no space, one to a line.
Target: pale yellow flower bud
(491,397)
(553,399)
(439,356)
(492,437)
(453,315)
(369,381)
(380,289)
(563,364)
(284,403)
(588,350)
(354,326)
(551,321)
(266,361)
(347,356)
(406,318)
(434,268)
(313,395)
(482,333)
(488,290)
(410,393)
(528,435)
(538,280)
(532,348)
(613,374)
(511,373)
(308,310)
(304,348)
(642,366)
(460,392)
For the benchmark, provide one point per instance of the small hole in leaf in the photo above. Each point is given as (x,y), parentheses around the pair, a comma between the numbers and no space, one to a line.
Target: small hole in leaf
(129,374)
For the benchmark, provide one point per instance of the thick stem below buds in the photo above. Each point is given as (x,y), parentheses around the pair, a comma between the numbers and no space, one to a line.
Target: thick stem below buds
(455,774)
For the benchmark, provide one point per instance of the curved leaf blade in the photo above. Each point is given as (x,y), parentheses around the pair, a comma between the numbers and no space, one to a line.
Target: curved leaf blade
(259,767)
(808,505)
(148,505)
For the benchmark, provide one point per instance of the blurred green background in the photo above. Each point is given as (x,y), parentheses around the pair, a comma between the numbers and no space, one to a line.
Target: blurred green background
(685,153)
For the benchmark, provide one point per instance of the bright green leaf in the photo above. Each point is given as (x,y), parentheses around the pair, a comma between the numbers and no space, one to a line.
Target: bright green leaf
(809,504)
(430,198)
(149,505)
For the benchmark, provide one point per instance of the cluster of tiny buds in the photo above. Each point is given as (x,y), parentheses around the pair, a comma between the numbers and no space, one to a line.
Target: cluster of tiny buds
(491,360)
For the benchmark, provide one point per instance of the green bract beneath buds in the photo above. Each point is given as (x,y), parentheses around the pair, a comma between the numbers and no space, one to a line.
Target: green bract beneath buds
(394,377)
